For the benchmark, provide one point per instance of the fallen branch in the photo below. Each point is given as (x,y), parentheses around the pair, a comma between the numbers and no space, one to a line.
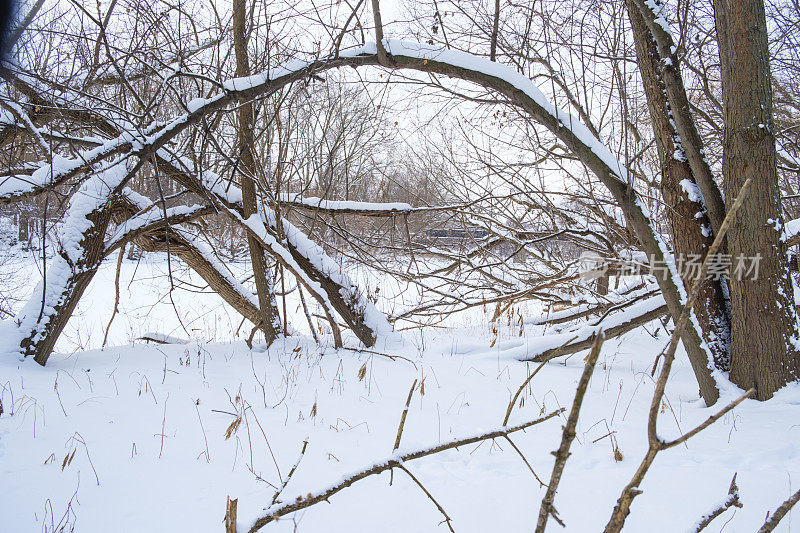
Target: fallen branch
(395,461)
(731,501)
(160,338)
(583,337)
(568,315)
(779,513)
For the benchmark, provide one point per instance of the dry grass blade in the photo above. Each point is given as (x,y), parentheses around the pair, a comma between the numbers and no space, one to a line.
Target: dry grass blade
(403,416)
(233,427)
(513,401)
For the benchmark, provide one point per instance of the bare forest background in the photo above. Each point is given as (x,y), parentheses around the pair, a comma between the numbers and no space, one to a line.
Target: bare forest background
(472,151)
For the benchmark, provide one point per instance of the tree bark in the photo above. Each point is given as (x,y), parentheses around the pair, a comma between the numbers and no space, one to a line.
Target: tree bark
(269,322)
(65,279)
(764,322)
(687,213)
(684,123)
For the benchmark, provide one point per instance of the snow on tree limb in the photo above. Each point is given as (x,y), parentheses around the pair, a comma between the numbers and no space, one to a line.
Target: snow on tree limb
(521,93)
(149,217)
(36,328)
(318,272)
(49,175)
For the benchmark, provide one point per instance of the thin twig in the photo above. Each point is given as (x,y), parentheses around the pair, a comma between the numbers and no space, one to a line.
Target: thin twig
(373,352)
(447,518)
(710,420)
(519,452)
(291,473)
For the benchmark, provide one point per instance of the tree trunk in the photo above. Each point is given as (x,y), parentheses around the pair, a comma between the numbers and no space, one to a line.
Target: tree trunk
(65,279)
(764,325)
(23,235)
(270,321)
(687,214)
(683,121)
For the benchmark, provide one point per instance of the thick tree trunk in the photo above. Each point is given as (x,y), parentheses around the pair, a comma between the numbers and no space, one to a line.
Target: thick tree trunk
(683,121)
(40,340)
(686,210)
(270,321)
(764,326)
(69,272)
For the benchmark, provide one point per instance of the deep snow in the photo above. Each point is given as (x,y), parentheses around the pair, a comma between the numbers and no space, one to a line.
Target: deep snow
(119,401)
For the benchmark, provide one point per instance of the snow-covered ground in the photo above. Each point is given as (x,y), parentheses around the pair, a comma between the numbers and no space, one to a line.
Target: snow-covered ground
(133,437)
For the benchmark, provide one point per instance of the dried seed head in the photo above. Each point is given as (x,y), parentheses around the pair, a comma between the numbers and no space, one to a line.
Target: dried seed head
(233,427)
(617,454)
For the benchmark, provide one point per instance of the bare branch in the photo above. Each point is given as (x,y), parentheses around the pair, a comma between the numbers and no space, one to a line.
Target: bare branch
(395,461)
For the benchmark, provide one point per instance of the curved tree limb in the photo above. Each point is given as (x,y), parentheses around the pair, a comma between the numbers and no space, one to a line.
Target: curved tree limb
(521,93)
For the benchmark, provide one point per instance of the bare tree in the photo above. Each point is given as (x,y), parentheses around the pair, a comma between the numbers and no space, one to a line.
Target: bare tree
(269,322)
(764,321)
